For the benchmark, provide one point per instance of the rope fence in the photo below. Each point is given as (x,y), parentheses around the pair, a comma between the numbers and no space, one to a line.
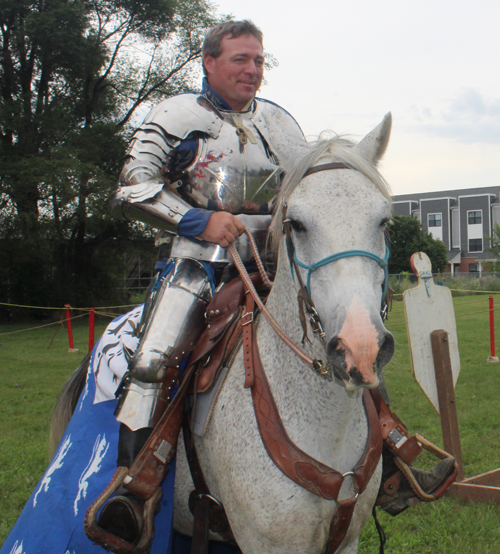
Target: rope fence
(68,319)
(40,326)
(459,315)
(62,308)
(92,312)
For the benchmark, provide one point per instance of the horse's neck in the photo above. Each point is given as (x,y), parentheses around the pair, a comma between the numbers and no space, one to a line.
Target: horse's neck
(320,416)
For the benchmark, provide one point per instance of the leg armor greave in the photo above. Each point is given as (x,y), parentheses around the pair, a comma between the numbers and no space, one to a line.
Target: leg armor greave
(173,325)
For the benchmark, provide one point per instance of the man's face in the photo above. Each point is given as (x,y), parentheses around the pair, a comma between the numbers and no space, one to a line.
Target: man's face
(237,73)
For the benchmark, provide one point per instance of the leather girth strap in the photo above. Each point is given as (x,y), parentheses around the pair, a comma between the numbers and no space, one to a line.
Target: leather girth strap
(208,513)
(301,468)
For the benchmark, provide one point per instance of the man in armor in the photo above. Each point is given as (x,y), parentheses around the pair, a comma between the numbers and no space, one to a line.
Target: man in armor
(202,166)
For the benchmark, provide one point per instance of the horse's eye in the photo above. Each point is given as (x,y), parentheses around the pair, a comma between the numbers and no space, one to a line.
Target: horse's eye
(385,221)
(297,226)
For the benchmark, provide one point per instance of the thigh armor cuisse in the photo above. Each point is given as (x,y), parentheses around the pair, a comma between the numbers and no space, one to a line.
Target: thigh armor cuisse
(172,327)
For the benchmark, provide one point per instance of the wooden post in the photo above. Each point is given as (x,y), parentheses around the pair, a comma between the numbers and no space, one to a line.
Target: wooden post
(446,397)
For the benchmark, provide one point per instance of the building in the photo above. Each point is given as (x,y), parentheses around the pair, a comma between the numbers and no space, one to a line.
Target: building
(462,219)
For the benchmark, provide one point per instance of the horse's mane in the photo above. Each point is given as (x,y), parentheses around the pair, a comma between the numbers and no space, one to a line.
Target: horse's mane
(338,149)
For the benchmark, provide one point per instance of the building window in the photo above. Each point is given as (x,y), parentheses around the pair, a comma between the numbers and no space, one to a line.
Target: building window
(475,217)
(434,220)
(475,245)
(473,268)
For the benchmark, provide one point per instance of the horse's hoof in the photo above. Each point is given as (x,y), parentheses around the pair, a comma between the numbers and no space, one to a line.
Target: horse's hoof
(122,517)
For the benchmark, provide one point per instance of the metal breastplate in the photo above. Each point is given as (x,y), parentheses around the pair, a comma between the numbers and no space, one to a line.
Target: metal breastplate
(235,172)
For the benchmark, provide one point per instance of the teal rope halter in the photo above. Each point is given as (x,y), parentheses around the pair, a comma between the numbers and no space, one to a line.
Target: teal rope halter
(347,254)
(383,263)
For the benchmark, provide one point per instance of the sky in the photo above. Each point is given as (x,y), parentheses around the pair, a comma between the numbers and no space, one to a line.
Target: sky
(435,64)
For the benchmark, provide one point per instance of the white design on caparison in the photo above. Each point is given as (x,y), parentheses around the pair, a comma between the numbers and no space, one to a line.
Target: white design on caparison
(99,451)
(55,465)
(17,549)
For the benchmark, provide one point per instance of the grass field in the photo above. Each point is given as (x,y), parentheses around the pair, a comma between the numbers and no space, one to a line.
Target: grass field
(32,375)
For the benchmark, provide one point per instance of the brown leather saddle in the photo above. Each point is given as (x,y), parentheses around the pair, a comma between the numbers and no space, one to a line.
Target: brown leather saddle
(223,331)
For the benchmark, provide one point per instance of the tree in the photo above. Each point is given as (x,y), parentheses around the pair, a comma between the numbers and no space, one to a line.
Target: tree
(494,249)
(73,75)
(407,238)
(495,242)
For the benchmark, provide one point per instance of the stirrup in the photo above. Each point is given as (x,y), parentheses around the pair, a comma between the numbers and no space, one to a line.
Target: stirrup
(111,542)
(417,489)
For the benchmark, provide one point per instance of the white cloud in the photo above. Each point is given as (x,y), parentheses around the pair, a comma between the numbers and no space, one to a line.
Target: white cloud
(468,118)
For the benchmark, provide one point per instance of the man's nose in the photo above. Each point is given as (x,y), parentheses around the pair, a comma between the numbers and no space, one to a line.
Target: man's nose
(252,68)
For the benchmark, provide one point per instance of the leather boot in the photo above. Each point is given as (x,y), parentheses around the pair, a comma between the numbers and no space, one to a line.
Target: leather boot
(396,494)
(122,514)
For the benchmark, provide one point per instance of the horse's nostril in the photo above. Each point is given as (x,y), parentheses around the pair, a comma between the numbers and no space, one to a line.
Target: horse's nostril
(386,350)
(332,346)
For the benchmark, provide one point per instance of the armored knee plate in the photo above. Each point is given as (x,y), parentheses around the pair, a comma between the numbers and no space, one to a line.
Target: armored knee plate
(142,404)
(172,327)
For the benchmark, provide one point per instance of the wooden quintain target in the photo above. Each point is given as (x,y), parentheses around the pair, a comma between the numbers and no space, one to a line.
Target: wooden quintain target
(432,336)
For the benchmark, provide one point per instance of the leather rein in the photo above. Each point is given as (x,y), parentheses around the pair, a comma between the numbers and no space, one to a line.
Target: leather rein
(296,464)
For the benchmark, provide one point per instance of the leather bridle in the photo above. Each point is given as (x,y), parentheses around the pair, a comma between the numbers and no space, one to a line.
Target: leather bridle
(305,290)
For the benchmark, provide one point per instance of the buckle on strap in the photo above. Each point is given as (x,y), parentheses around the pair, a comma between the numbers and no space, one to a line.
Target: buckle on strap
(250,320)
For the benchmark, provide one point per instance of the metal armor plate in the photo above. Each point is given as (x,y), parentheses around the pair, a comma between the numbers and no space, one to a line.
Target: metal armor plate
(237,172)
(236,167)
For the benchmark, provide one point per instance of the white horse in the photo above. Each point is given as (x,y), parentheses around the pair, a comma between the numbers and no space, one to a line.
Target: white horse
(342,210)
(331,211)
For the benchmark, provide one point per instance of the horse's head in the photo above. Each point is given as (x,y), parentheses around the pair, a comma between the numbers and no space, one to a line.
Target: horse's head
(338,218)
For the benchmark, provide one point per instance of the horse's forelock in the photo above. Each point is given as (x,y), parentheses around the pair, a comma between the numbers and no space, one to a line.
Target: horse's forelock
(338,149)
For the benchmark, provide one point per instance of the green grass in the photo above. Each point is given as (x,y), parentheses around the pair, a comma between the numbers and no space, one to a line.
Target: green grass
(32,376)
(449,525)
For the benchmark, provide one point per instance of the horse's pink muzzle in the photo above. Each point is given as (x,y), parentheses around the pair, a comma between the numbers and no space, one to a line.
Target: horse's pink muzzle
(361,349)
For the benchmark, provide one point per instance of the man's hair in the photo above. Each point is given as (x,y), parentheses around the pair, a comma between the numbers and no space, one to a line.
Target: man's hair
(213,39)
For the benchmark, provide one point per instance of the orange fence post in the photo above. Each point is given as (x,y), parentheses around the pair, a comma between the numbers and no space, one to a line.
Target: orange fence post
(91,328)
(70,330)
(492,328)
(492,357)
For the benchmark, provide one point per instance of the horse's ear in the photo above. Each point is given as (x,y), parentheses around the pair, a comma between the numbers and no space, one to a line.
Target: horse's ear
(375,143)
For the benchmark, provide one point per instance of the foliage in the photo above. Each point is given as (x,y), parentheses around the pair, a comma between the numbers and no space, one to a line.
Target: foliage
(73,76)
(401,282)
(494,249)
(407,238)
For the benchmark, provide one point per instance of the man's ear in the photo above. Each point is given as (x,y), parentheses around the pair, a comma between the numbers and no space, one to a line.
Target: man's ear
(208,62)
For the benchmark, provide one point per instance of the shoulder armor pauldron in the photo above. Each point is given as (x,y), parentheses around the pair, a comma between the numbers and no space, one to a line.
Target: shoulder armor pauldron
(184,114)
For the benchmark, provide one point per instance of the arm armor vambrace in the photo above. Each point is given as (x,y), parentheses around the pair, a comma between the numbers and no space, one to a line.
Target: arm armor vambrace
(150,202)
